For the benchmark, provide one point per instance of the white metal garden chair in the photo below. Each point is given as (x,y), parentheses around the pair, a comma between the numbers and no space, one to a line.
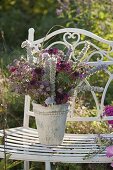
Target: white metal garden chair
(23,142)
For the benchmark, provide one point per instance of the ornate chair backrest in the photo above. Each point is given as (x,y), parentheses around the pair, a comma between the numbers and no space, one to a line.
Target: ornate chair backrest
(75,38)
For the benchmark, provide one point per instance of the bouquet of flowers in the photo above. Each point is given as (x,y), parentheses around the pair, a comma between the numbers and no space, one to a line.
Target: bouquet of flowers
(51,77)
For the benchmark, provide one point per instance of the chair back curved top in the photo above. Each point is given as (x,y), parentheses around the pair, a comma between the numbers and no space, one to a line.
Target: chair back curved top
(101,52)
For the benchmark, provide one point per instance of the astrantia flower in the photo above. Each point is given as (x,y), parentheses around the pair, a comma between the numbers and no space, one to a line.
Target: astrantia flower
(38,71)
(108,111)
(61,97)
(63,66)
(75,74)
(12,69)
(109,151)
(33,82)
(53,51)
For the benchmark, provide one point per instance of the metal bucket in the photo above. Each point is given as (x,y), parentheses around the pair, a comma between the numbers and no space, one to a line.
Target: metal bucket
(50,123)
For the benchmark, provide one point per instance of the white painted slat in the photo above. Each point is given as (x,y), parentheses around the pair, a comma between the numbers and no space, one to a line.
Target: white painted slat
(19,151)
(75,146)
(59,158)
(12,133)
(36,140)
(70,141)
(88,119)
(55,149)
(70,137)
(34,133)
(66,139)
(71,144)
(32,150)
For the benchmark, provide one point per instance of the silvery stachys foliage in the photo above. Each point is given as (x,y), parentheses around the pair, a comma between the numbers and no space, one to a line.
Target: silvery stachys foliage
(68,54)
(89,88)
(95,69)
(52,66)
(84,51)
(45,57)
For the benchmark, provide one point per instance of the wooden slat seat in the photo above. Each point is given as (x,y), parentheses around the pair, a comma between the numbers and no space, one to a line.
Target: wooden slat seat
(23,144)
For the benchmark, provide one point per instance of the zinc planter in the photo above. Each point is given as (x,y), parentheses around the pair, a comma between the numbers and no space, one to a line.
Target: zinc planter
(50,123)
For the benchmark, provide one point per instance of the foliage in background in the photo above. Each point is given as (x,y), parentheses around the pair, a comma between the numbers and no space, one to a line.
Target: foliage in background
(9,164)
(92,15)
(17,16)
(95,16)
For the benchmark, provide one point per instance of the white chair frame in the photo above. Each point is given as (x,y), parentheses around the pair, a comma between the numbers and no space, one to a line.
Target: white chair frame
(23,142)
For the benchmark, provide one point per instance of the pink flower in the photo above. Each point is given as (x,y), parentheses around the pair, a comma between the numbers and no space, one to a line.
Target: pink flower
(109,151)
(63,66)
(12,69)
(110,122)
(108,111)
(53,51)
(111,164)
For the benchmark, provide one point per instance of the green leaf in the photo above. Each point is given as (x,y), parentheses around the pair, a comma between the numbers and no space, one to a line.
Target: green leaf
(15,163)
(2,163)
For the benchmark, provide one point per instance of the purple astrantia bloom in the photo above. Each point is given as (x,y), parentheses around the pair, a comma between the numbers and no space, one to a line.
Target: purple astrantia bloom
(63,66)
(37,71)
(32,82)
(109,152)
(108,111)
(75,75)
(61,97)
(53,51)
(12,69)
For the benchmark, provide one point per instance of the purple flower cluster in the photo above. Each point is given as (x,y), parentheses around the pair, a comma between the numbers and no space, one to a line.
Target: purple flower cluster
(61,97)
(53,51)
(63,66)
(108,111)
(109,152)
(37,80)
(63,6)
(26,78)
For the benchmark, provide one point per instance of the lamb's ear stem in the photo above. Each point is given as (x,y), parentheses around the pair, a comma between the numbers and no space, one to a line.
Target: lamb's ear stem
(49,32)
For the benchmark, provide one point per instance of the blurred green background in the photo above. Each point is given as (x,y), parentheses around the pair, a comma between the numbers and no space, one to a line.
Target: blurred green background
(16,17)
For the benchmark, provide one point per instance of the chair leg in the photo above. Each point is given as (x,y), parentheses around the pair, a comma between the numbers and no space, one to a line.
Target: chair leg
(26,165)
(47,166)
